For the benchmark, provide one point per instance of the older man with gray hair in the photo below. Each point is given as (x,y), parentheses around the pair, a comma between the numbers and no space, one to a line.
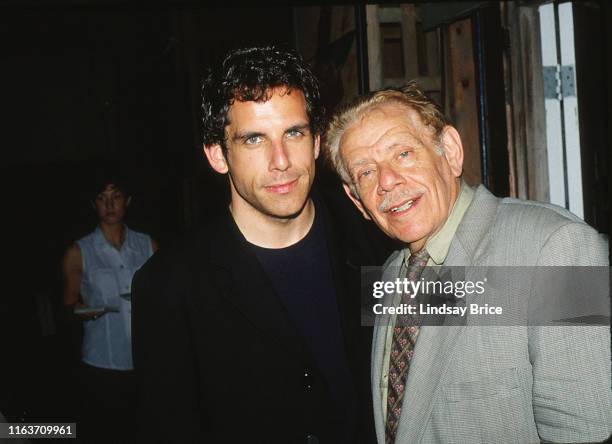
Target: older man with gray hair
(401,163)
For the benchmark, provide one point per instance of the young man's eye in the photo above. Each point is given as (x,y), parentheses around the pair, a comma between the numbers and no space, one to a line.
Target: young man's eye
(294,133)
(253,140)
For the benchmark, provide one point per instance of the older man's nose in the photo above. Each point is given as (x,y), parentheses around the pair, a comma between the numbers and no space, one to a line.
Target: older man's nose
(388,178)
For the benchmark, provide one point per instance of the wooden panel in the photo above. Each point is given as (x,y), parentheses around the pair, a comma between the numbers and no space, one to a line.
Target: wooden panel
(532,112)
(460,94)
(374,47)
(392,49)
(409,41)
(432,53)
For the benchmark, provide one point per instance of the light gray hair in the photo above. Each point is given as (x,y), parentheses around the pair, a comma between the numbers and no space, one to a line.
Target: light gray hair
(410,96)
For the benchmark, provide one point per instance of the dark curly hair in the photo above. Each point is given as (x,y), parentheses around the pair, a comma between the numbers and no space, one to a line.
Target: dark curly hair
(248,74)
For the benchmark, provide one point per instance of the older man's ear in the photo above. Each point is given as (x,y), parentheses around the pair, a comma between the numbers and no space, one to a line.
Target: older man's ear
(453,149)
(356,201)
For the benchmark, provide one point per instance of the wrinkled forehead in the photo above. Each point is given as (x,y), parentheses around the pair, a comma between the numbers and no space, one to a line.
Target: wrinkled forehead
(396,110)
(374,120)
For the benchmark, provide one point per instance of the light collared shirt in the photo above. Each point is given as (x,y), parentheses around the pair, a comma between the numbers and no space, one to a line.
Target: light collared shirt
(437,247)
(107,282)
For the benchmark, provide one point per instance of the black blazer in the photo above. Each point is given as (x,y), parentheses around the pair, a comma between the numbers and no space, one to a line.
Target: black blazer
(217,358)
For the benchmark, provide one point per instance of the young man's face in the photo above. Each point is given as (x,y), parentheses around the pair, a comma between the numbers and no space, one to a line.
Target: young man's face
(111,204)
(406,180)
(270,155)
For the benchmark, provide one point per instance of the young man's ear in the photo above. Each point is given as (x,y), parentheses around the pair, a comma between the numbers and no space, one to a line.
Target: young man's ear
(216,158)
(356,201)
(317,146)
(453,149)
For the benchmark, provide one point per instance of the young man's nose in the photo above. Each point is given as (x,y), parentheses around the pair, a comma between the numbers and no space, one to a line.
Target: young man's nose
(280,158)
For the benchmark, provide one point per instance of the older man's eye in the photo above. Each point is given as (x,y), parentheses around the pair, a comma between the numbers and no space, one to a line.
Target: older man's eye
(365,174)
(405,157)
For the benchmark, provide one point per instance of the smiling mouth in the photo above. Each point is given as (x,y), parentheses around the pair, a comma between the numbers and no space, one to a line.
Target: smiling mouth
(282,188)
(404,206)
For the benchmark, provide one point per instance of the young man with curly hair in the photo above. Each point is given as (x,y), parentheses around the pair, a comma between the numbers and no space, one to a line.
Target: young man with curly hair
(242,333)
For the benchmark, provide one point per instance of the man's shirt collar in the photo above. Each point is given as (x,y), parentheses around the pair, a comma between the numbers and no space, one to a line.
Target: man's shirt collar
(439,244)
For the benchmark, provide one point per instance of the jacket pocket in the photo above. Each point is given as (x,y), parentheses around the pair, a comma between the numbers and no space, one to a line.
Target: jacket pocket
(498,384)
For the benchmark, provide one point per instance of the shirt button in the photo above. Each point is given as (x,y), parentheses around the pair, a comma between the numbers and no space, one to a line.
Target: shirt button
(121,266)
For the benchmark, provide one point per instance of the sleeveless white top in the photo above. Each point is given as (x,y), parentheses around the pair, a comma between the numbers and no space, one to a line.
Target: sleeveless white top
(107,274)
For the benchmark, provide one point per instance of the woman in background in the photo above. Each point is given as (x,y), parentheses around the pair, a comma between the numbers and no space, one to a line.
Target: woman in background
(98,271)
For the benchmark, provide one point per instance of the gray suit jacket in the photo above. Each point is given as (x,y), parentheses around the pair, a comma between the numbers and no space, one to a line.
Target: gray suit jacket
(509,384)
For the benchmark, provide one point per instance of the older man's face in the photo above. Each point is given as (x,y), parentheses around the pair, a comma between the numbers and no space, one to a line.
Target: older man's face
(406,180)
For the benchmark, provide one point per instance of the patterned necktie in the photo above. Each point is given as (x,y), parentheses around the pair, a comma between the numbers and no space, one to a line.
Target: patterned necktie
(405,335)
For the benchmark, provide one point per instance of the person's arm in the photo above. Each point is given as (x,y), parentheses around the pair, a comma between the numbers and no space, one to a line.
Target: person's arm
(572,399)
(164,358)
(72,270)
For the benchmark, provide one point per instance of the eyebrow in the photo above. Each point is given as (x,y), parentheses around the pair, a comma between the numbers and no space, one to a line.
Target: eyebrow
(365,161)
(248,134)
(358,163)
(300,127)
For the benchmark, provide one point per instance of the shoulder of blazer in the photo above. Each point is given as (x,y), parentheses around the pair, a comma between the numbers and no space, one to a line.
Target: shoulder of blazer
(207,247)
(487,210)
(516,224)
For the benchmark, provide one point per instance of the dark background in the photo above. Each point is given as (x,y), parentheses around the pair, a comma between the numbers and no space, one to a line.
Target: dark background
(91,83)
(86,84)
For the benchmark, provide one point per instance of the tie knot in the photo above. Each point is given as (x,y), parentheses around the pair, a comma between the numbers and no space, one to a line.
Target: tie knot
(418,259)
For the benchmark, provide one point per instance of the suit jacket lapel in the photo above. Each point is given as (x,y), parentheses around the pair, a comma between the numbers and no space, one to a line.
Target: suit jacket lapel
(390,272)
(471,237)
(436,344)
(432,352)
(378,348)
(348,307)
(432,355)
